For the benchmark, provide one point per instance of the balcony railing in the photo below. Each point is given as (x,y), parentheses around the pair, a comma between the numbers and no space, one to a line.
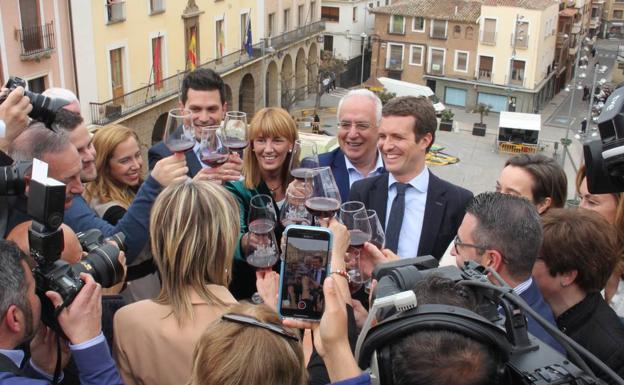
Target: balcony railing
(436,69)
(394,64)
(488,37)
(441,35)
(485,75)
(36,41)
(115,11)
(110,110)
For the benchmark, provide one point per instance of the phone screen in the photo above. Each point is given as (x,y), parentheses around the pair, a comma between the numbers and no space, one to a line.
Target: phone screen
(304,269)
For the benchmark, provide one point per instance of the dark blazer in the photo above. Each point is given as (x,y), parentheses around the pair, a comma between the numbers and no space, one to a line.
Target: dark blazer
(159,151)
(444,209)
(335,159)
(533,297)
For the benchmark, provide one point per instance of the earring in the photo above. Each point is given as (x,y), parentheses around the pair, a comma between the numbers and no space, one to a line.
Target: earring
(290,150)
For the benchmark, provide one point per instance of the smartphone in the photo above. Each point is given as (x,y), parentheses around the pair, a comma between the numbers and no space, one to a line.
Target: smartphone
(303,270)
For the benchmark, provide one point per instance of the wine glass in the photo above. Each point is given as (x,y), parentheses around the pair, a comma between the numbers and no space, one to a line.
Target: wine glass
(235,131)
(212,152)
(179,134)
(262,252)
(294,212)
(359,233)
(304,156)
(377,234)
(324,200)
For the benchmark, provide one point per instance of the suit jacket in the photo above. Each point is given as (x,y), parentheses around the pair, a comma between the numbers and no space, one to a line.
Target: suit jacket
(335,159)
(151,347)
(159,151)
(95,365)
(533,297)
(444,209)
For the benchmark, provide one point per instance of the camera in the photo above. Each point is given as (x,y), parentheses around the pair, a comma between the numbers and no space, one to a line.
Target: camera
(45,237)
(526,359)
(44,108)
(12,178)
(604,157)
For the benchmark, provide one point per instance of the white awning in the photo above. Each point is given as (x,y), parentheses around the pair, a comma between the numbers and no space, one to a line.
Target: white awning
(519,120)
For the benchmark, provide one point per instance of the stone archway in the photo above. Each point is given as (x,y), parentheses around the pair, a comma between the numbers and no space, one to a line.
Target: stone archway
(300,75)
(271,89)
(286,82)
(159,128)
(228,97)
(246,95)
(313,67)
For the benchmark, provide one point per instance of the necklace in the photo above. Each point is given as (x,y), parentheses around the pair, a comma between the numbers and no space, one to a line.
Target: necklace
(272,190)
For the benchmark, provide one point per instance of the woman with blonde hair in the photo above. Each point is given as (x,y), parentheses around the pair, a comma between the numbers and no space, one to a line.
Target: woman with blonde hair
(194,230)
(119,165)
(272,135)
(611,208)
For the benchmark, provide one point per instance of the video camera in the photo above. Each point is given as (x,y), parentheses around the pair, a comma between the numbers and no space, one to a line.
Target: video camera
(44,108)
(527,360)
(604,157)
(45,237)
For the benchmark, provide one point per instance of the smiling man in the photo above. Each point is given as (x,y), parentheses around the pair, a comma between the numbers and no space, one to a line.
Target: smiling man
(203,93)
(359,113)
(420,212)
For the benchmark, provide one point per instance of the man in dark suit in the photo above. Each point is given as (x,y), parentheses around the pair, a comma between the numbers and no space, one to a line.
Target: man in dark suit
(504,232)
(359,113)
(419,211)
(203,93)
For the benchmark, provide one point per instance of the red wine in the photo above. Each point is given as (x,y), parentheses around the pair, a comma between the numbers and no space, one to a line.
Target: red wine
(299,173)
(214,160)
(322,207)
(261,226)
(178,145)
(358,238)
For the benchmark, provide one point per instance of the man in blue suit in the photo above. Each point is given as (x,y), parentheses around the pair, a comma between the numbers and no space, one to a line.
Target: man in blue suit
(203,93)
(20,324)
(504,232)
(359,114)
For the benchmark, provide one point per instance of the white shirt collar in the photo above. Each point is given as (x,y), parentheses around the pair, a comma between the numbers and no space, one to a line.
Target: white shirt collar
(521,288)
(378,164)
(420,182)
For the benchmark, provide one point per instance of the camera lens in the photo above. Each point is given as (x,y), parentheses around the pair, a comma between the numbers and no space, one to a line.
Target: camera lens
(102,264)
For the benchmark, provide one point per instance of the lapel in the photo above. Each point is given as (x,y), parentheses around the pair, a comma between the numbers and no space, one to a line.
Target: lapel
(339,168)
(192,162)
(378,197)
(433,216)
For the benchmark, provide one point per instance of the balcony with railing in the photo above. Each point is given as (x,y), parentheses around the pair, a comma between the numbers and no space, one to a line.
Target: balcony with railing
(521,41)
(113,109)
(36,41)
(115,11)
(488,37)
(436,69)
(485,75)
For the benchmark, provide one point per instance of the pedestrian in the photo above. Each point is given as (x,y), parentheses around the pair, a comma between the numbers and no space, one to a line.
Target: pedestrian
(593,52)
(585,92)
(332,78)
(584,126)
(326,84)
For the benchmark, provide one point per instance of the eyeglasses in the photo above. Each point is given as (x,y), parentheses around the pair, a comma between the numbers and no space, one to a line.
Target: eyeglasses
(458,243)
(360,126)
(248,320)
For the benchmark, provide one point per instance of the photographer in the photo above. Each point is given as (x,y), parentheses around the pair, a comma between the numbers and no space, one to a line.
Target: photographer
(20,324)
(134,224)
(13,116)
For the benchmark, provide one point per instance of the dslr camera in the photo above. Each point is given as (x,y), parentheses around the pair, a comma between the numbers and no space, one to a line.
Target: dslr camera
(44,108)
(45,237)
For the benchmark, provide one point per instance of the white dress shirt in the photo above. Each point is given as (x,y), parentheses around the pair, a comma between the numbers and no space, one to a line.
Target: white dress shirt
(355,174)
(415,202)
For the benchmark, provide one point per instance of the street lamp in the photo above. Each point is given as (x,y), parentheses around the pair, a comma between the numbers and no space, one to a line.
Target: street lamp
(363,36)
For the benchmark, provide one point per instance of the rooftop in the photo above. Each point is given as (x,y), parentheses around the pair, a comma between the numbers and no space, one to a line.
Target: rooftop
(452,10)
(528,4)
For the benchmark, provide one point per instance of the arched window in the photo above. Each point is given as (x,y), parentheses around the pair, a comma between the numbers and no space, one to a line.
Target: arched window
(457,32)
(469,32)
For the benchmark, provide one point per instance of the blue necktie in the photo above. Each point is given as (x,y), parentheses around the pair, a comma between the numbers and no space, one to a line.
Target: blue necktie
(395,221)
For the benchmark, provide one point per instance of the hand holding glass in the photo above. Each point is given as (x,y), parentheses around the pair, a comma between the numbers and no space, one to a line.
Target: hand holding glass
(179,133)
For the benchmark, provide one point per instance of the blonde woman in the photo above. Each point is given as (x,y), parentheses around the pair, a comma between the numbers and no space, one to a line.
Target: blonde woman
(194,230)
(119,165)
(272,134)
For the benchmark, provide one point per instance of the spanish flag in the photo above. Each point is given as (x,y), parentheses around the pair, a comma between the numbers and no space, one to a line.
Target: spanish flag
(192,52)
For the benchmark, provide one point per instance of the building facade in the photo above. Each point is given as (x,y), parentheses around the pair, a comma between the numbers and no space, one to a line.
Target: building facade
(132,55)
(35,43)
(613,19)
(345,23)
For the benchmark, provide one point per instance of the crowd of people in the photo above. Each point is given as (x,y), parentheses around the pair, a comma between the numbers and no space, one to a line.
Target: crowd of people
(183,315)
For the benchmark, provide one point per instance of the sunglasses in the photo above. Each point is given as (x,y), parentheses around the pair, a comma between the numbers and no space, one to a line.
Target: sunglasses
(248,320)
